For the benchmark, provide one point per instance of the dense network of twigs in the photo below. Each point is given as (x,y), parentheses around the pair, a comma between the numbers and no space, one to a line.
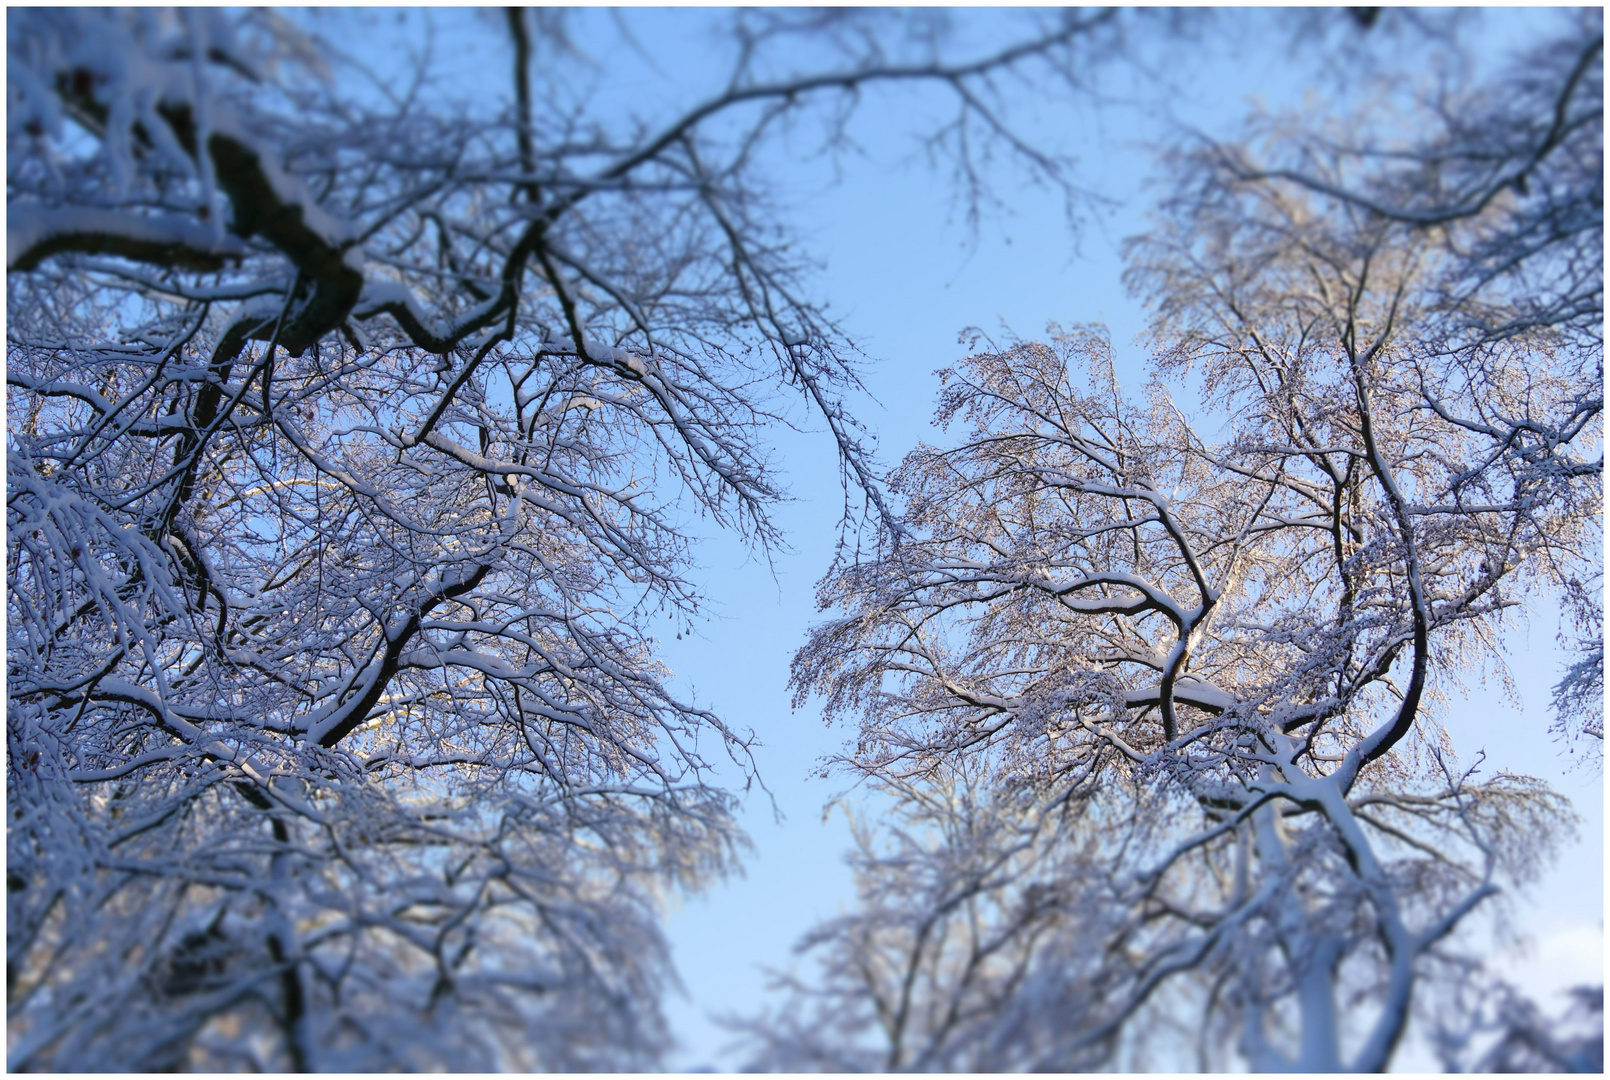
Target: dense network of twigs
(353,433)
(1156,703)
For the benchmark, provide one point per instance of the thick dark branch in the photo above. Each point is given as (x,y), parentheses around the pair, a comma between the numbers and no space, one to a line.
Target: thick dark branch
(35,232)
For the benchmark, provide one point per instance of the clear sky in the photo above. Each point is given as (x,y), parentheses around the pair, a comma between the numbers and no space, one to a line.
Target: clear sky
(905,275)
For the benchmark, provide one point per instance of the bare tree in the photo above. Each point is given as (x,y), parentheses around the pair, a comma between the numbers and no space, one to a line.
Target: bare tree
(1509,185)
(352,438)
(1218,665)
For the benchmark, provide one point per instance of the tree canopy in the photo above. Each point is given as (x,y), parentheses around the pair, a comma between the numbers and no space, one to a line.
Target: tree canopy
(354,430)
(359,426)
(1155,700)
